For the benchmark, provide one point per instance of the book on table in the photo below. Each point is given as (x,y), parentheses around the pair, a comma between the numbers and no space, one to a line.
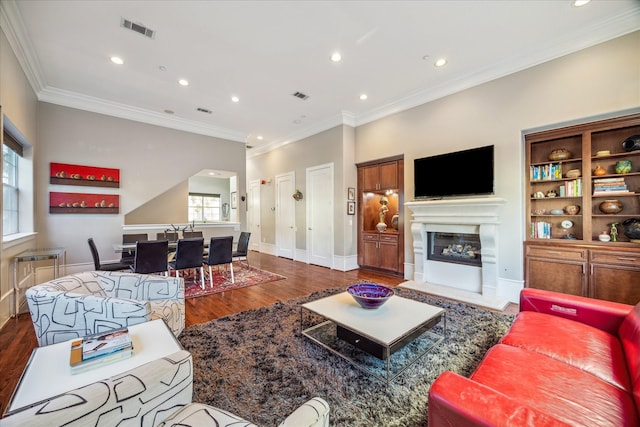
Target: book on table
(100,349)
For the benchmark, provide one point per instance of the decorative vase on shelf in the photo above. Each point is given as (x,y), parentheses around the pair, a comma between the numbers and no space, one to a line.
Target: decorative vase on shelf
(381,226)
(631,229)
(623,166)
(599,171)
(394,221)
(611,206)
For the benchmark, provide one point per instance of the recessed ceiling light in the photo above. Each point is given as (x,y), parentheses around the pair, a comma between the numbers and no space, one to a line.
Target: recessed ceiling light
(183,82)
(440,62)
(363,97)
(578,3)
(235,99)
(169,111)
(162,68)
(336,57)
(117,60)
(259,137)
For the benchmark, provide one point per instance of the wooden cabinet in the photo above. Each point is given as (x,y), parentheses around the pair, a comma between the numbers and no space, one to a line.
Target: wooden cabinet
(381,182)
(557,269)
(382,176)
(563,248)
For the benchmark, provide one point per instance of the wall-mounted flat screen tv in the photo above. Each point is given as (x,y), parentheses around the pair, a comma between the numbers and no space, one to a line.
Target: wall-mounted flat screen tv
(462,173)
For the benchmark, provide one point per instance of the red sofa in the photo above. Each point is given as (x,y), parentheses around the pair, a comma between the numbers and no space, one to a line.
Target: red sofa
(566,361)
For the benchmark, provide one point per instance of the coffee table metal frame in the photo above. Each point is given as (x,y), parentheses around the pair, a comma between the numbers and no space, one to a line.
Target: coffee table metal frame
(343,312)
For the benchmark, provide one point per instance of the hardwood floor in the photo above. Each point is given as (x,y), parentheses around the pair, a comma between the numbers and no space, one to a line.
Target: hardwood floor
(17,338)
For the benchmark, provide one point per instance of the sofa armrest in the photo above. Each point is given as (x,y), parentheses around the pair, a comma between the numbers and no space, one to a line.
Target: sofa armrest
(458,401)
(313,413)
(61,316)
(604,315)
(143,396)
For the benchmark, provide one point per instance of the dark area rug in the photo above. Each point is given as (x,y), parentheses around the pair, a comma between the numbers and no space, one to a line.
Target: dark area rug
(258,366)
(244,276)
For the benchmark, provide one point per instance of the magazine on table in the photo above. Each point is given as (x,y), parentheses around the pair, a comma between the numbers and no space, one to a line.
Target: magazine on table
(99,349)
(105,342)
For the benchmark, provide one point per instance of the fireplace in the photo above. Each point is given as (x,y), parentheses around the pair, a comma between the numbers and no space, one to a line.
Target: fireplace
(477,220)
(457,248)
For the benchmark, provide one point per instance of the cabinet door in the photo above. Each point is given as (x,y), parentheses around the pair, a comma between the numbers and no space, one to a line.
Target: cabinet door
(389,255)
(370,253)
(615,276)
(370,177)
(388,175)
(616,283)
(553,275)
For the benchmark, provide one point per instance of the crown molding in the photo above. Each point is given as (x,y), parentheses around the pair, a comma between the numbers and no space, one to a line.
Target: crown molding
(610,29)
(98,105)
(13,28)
(343,118)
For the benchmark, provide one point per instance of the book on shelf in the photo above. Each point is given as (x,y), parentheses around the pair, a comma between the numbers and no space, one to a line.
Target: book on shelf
(545,172)
(611,192)
(540,230)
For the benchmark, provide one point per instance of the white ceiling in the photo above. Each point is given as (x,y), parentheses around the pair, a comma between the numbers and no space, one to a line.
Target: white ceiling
(264,51)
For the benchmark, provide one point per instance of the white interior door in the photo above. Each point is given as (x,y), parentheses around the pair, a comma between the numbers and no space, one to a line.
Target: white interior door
(285,215)
(320,215)
(253,214)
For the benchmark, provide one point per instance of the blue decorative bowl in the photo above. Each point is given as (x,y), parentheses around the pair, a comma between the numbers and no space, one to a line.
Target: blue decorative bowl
(370,295)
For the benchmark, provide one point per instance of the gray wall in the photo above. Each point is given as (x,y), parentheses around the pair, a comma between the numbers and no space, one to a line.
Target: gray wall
(595,81)
(152,160)
(325,147)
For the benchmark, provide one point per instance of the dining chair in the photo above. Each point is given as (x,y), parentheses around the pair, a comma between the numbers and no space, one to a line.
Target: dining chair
(172,236)
(107,266)
(189,255)
(128,256)
(220,252)
(243,247)
(151,257)
(191,234)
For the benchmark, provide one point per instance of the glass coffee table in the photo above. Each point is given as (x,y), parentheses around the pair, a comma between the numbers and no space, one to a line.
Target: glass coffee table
(383,342)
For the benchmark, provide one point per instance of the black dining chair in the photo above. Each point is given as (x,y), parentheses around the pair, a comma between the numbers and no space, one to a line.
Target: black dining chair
(107,266)
(191,234)
(243,247)
(128,256)
(189,255)
(172,237)
(220,252)
(151,257)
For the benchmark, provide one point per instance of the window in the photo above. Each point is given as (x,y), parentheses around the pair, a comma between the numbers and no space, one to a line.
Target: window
(9,190)
(204,207)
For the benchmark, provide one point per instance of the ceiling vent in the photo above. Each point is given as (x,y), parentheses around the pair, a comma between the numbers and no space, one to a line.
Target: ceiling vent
(140,29)
(301,96)
(204,110)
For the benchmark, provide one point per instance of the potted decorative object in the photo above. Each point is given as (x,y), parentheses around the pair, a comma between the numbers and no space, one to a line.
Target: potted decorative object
(632,229)
(559,154)
(572,209)
(623,166)
(611,206)
(599,171)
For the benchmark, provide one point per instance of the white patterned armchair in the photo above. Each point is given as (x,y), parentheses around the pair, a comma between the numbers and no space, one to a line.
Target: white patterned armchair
(157,393)
(95,301)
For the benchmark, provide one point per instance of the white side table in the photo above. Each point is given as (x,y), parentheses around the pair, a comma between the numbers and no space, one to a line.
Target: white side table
(48,373)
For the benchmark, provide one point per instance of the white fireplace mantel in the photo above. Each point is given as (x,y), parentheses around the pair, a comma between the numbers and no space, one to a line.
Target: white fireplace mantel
(477,215)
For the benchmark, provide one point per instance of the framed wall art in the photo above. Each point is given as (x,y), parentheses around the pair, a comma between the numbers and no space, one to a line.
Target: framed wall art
(82,203)
(351,208)
(351,193)
(88,176)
